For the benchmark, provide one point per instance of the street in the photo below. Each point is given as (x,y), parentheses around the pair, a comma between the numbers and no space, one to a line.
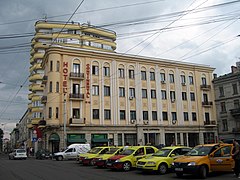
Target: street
(32,169)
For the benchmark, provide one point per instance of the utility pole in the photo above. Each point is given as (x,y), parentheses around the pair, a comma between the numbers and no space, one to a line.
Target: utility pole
(64,123)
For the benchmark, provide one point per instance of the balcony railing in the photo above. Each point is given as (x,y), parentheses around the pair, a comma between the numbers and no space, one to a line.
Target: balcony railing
(73,96)
(42,123)
(44,80)
(205,87)
(44,99)
(207,103)
(75,75)
(77,121)
(235,112)
(210,123)
(236,130)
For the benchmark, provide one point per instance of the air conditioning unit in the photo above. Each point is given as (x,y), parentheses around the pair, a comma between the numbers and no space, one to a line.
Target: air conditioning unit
(145,122)
(172,100)
(183,83)
(130,97)
(133,121)
(174,121)
(163,82)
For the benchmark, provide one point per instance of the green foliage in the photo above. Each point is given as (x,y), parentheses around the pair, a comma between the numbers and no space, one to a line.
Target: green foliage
(1,133)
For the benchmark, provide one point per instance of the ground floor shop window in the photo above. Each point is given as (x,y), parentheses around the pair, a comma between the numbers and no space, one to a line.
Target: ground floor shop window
(193,139)
(131,139)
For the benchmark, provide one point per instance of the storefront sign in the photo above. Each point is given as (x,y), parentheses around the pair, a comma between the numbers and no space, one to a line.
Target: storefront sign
(65,74)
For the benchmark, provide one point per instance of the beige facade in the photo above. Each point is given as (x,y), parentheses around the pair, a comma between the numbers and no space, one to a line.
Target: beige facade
(110,98)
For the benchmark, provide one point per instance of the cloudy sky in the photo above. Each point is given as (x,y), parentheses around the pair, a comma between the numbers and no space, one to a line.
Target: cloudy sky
(196,31)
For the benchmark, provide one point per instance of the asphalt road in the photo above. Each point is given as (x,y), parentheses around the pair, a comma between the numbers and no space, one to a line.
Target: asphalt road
(32,169)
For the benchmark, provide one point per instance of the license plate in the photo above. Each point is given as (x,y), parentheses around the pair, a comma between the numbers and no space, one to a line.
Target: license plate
(178,169)
(109,164)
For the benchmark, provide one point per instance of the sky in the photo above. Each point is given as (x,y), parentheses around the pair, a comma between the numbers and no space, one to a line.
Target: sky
(196,31)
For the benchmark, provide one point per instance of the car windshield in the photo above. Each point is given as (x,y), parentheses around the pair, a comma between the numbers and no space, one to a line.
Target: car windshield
(127,152)
(200,151)
(95,150)
(112,150)
(20,151)
(162,153)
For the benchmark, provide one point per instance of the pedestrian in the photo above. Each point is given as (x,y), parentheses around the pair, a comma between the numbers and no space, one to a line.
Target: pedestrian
(126,146)
(236,157)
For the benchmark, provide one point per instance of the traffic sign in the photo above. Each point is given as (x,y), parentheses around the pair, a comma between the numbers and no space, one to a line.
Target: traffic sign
(34,139)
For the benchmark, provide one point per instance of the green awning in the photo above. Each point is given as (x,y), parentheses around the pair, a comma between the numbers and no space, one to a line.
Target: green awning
(54,137)
(96,140)
(76,138)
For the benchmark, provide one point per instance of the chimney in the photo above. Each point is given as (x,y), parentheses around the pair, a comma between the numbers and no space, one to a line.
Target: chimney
(234,69)
(214,75)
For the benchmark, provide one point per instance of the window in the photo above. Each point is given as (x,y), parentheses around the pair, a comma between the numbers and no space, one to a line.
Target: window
(194,116)
(149,150)
(153,94)
(76,89)
(162,77)
(183,79)
(51,65)
(58,66)
(107,114)
(164,94)
(171,78)
(57,112)
(131,74)
(95,90)
(133,115)
(164,116)
(152,76)
(121,92)
(192,96)
(236,103)
(76,113)
(132,92)
(235,89)
(224,125)
(205,97)
(191,80)
(184,96)
(221,91)
(174,116)
(204,81)
(154,115)
(145,115)
(95,70)
(57,87)
(49,112)
(144,93)
(106,91)
(122,115)
(207,117)
(121,73)
(223,107)
(143,75)
(50,86)
(76,68)
(185,116)
(106,71)
(95,113)
(172,95)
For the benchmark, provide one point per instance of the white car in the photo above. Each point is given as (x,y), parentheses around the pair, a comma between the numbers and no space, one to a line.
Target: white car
(18,154)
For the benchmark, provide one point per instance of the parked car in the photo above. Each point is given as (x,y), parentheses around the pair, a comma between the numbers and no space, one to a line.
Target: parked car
(100,160)
(128,158)
(43,154)
(18,154)
(161,161)
(86,159)
(204,159)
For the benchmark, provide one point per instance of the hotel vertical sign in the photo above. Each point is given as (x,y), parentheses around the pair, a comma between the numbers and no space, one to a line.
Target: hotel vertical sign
(65,75)
(87,83)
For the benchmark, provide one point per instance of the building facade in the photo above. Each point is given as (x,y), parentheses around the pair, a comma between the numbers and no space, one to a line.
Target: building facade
(227,97)
(109,98)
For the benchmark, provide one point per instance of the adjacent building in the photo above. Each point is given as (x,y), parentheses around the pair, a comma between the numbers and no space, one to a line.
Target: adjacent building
(227,97)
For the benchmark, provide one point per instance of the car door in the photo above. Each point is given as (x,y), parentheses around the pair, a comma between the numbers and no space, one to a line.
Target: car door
(221,160)
(138,154)
(68,153)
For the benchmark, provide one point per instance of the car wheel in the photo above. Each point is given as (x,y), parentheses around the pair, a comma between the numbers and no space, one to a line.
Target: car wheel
(162,168)
(179,174)
(59,158)
(126,166)
(203,172)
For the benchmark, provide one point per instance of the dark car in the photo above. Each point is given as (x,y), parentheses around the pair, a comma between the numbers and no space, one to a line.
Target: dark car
(43,154)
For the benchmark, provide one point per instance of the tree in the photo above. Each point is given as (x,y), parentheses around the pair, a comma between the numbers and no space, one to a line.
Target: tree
(1,139)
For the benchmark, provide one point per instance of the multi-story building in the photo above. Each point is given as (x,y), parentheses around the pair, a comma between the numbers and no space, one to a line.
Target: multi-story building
(66,34)
(227,97)
(109,98)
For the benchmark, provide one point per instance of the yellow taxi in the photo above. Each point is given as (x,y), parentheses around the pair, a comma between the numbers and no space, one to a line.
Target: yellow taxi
(204,159)
(129,157)
(86,159)
(100,160)
(161,161)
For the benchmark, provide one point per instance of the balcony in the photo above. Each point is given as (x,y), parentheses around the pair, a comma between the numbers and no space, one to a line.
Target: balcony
(236,130)
(76,97)
(44,99)
(210,123)
(207,103)
(205,87)
(35,77)
(235,112)
(37,87)
(74,75)
(44,79)
(42,123)
(77,121)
